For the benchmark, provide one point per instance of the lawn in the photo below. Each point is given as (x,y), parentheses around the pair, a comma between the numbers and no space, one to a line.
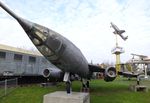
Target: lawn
(100,92)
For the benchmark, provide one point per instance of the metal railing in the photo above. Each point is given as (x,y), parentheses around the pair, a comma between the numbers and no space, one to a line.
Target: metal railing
(7,86)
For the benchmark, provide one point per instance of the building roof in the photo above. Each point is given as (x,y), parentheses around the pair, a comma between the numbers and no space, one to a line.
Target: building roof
(18,50)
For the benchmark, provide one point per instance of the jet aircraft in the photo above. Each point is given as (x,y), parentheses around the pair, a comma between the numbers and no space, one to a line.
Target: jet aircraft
(61,52)
(118,31)
(139,67)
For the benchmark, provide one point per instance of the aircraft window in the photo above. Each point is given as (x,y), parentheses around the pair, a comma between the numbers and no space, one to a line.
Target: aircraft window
(2,55)
(18,57)
(40,35)
(32,59)
(36,41)
(45,50)
(39,27)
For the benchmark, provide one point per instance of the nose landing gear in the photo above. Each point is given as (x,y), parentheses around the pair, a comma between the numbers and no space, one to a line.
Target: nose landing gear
(68,82)
(85,85)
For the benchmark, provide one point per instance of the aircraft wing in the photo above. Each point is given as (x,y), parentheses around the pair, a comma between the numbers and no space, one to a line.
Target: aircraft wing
(109,73)
(95,68)
(120,32)
(127,74)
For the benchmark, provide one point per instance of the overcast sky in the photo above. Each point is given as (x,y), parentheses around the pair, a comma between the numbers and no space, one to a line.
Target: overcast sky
(85,22)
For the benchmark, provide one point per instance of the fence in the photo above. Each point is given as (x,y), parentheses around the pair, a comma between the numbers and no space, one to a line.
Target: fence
(7,86)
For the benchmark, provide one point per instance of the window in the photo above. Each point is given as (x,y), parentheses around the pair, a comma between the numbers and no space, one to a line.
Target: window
(18,57)
(32,59)
(2,55)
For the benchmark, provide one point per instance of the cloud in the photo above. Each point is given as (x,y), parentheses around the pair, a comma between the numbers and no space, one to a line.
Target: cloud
(86,23)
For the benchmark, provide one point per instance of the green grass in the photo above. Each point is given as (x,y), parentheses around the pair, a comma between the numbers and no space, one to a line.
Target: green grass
(100,92)
(116,92)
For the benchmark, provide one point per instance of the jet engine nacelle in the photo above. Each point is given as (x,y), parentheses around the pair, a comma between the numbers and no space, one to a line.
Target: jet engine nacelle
(51,72)
(110,74)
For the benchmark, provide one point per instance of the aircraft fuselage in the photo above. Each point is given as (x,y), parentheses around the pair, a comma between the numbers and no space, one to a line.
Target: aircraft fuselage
(59,50)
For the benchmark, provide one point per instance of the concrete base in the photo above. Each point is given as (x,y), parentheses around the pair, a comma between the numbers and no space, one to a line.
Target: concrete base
(137,88)
(63,97)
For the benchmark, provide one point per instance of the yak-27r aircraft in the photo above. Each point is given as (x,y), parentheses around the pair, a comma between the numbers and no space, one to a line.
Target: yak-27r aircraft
(61,52)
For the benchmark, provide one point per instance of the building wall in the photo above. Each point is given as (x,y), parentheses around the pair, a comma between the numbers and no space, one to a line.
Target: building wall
(21,66)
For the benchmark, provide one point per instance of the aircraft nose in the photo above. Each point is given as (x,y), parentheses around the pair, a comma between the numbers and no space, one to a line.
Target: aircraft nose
(27,25)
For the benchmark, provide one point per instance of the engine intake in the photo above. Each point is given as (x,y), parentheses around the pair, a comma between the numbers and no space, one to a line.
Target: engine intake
(51,72)
(46,73)
(110,74)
